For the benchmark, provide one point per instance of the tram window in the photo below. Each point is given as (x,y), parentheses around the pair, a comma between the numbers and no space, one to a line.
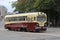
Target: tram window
(41,18)
(8,19)
(34,18)
(28,19)
(14,19)
(31,19)
(22,18)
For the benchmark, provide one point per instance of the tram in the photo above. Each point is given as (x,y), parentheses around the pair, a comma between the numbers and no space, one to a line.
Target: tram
(35,21)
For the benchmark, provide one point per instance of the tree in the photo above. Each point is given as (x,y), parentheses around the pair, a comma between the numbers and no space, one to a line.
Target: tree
(33,5)
(23,5)
(51,7)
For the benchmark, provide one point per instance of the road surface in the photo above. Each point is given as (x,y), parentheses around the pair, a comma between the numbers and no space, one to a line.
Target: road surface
(50,34)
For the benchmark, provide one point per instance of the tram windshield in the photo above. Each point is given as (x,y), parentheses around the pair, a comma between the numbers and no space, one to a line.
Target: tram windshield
(41,18)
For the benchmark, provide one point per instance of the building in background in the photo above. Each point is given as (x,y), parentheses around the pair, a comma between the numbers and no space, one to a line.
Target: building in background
(3,12)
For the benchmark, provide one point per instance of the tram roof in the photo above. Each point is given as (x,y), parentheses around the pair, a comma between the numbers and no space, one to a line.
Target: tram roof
(24,14)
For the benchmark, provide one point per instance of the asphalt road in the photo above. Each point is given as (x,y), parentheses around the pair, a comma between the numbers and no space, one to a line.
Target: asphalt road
(50,34)
(15,35)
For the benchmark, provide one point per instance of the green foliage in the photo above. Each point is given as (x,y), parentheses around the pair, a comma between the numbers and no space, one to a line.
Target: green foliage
(36,5)
(23,5)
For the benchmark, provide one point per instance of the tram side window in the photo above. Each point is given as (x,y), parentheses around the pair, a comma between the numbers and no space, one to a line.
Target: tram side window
(11,19)
(16,18)
(8,19)
(21,18)
(34,18)
(28,19)
(31,19)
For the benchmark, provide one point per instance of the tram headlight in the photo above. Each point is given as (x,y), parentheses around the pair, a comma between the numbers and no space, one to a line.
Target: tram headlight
(37,25)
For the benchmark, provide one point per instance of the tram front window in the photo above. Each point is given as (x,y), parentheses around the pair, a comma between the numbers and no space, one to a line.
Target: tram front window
(41,18)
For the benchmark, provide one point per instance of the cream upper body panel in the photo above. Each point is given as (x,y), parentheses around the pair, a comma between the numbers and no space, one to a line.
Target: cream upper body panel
(25,14)
(22,14)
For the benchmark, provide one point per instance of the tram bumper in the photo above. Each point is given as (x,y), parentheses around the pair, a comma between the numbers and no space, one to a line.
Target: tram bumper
(41,28)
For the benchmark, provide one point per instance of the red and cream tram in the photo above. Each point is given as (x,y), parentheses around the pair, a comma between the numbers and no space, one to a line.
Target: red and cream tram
(34,21)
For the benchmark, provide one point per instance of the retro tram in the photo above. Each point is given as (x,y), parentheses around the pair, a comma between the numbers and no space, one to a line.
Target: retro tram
(35,21)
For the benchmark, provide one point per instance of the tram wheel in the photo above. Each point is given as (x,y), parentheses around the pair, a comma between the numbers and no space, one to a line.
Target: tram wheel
(25,30)
(21,29)
(9,28)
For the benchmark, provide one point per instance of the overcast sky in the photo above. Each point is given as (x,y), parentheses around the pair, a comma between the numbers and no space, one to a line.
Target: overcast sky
(7,4)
